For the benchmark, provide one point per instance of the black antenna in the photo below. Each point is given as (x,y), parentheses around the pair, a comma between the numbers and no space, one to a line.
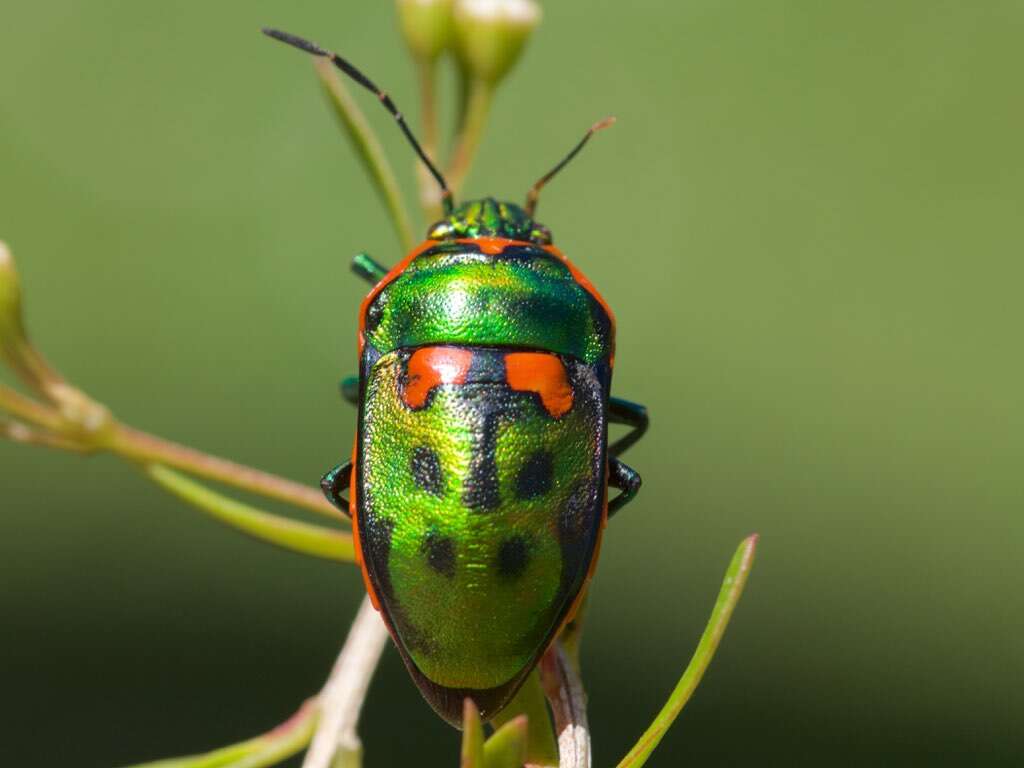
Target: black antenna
(389,105)
(534,193)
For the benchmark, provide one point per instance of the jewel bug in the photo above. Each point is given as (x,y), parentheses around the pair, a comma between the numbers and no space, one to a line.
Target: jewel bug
(478,482)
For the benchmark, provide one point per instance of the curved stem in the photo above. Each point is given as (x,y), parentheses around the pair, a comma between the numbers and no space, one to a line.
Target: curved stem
(368,148)
(336,743)
(272,747)
(296,536)
(28,409)
(17,432)
(148,449)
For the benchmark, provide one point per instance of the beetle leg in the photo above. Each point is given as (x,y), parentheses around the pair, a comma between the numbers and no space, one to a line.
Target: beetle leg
(368,269)
(624,478)
(336,481)
(632,414)
(350,389)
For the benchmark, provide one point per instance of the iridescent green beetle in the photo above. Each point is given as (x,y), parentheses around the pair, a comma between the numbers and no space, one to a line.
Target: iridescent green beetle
(478,485)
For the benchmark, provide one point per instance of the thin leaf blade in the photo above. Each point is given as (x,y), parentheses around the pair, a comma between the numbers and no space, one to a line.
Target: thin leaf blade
(294,535)
(728,597)
(272,747)
(541,743)
(507,746)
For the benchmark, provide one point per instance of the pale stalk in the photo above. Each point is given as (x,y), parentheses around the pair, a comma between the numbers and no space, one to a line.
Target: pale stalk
(145,448)
(17,432)
(568,701)
(336,743)
(59,431)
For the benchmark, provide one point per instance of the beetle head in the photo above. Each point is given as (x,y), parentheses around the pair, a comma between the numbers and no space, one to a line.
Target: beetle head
(490,218)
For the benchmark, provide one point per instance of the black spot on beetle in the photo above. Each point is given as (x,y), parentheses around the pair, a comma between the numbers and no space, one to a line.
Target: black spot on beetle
(535,476)
(426,470)
(375,533)
(481,488)
(440,552)
(513,557)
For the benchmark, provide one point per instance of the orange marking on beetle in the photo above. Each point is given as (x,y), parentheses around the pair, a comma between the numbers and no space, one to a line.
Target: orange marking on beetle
(430,367)
(544,374)
(492,246)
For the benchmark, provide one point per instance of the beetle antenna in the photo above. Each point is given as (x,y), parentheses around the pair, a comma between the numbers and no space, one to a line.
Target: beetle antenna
(389,105)
(534,193)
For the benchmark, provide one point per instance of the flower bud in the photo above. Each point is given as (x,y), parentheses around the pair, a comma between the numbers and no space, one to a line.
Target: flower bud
(490,34)
(15,348)
(426,26)
(12,328)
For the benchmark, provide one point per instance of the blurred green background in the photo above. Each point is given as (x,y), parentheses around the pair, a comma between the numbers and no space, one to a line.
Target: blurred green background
(808,221)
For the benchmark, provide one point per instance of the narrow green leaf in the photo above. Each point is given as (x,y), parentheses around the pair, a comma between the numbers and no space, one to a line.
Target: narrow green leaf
(472,736)
(732,589)
(507,746)
(542,745)
(368,148)
(288,739)
(297,536)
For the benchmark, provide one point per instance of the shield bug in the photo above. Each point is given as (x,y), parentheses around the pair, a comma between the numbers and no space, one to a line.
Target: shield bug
(478,483)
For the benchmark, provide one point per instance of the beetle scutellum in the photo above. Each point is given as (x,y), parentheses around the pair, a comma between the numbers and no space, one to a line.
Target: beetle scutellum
(478,483)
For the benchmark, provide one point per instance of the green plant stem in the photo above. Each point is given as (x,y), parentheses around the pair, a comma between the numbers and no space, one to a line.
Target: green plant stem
(478,107)
(17,432)
(287,739)
(728,597)
(427,69)
(145,448)
(430,194)
(368,148)
(296,536)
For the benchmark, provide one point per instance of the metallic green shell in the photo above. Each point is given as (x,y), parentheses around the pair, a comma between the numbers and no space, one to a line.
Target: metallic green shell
(478,516)
(455,294)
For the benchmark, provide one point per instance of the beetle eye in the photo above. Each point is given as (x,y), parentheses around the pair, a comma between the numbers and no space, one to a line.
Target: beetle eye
(442,230)
(541,235)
